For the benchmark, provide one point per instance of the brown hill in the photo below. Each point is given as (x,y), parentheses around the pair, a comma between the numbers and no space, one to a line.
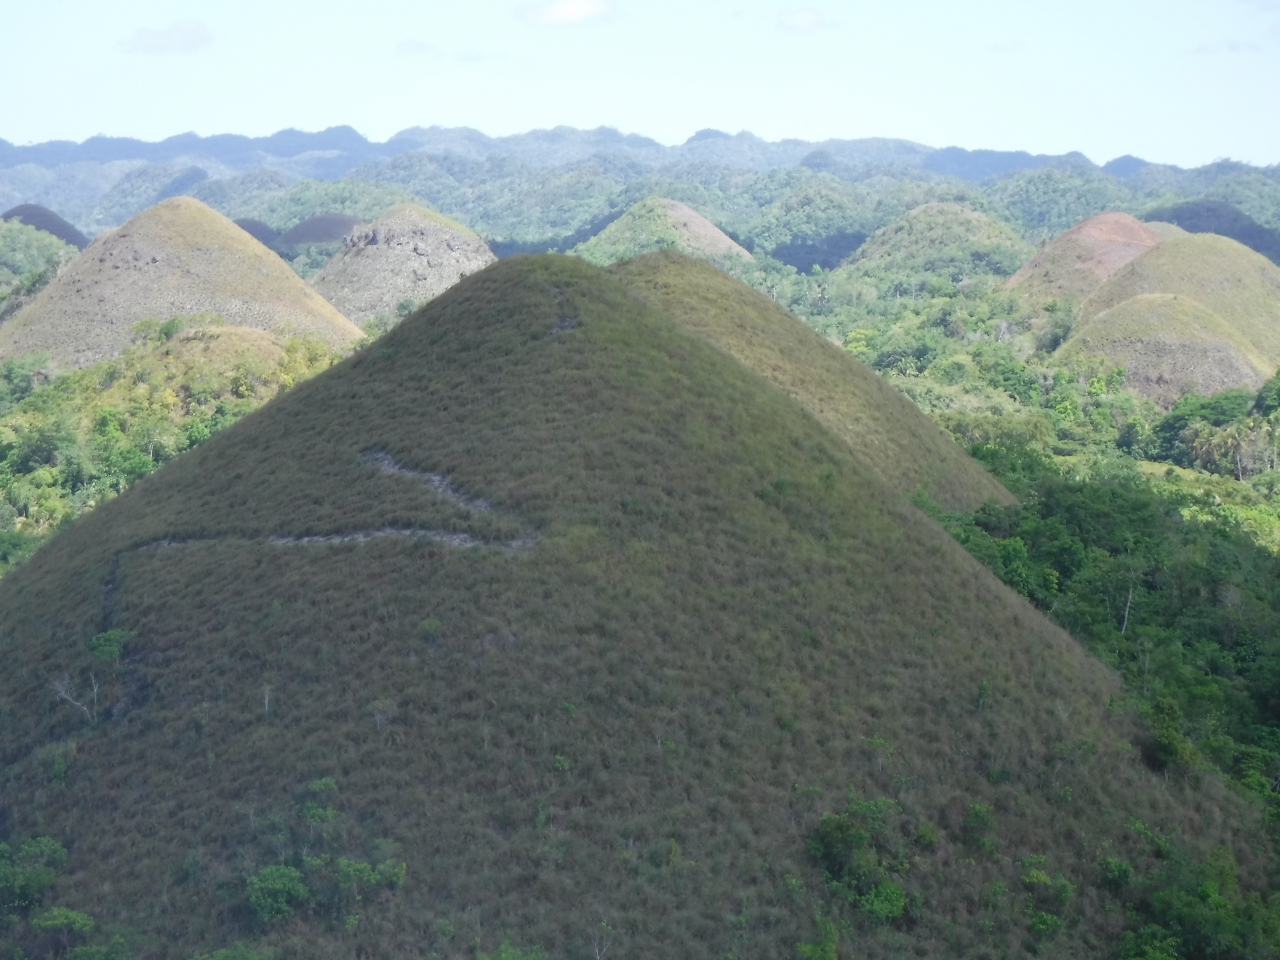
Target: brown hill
(902,447)
(176,258)
(1079,261)
(410,253)
(42,218)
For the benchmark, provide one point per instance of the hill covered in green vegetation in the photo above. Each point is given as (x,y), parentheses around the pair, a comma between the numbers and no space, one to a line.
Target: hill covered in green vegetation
(659,224)
(544,620)
(29,259)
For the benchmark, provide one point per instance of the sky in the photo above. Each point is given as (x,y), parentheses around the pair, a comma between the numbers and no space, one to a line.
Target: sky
(1173,81)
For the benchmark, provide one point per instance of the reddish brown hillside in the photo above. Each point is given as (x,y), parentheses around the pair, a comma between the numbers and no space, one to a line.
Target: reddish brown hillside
(1079,261)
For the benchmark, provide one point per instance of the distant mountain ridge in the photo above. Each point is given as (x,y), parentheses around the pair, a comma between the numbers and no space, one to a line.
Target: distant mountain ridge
(330,153)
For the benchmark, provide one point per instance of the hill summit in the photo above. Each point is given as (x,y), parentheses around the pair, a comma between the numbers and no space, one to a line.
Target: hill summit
(176,258)
(548,621)
(1077,262)
(1198,313)
(659,224)
(410,253)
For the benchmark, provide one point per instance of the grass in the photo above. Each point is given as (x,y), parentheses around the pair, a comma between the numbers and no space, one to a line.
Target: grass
(727,623)
(1171,346)
(937,236)
(658,224)
(898,444)
(176,258)
(1226,278)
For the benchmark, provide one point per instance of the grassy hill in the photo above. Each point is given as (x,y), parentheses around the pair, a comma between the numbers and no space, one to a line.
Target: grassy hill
(1077,262)
(898,444)
(29,259)
(1170,346)
(586,625)
(409,254)
(658,224)
(178,258)
(942,239)
(1221,278)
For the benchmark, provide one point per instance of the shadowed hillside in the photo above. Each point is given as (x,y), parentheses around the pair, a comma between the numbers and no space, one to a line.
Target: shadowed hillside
(1074,264)
(1224,219)
(409,254)
(42,218)
(544,620)
(178,258)
(902,447)
(657,224)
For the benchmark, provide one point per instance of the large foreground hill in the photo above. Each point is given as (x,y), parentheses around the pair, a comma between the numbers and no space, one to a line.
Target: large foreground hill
(176,258)
(558,604)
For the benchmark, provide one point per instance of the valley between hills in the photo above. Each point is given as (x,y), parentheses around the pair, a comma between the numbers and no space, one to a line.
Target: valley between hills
(561,546)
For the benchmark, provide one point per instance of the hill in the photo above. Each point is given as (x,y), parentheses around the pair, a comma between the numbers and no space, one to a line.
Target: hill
(408,254)
(904,449)
(264,233)
(1224,219)
(42,218)
(1223,276)
(658,224)
(942,239)
(1077,262)
(546,621)
(1170,346)
(178,258)
(29,259)
(321,228)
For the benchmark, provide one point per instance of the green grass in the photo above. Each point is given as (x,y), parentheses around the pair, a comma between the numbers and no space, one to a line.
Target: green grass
(726,623)
(898,444)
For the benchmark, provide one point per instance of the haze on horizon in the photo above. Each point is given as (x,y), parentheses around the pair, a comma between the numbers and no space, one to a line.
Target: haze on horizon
(1178,81)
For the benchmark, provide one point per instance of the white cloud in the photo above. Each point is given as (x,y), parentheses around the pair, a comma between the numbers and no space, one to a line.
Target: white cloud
(564,12)
(804,19)
(415,48)
(181,36)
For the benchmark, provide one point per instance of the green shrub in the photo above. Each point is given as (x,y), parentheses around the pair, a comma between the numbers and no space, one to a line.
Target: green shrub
(1115,874)
(28,873)
(109,646)
(824,949)
(274,891)
(509,952)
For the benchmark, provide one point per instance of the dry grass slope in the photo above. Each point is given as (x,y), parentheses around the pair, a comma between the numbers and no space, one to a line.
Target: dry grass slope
(1171,346)
(1225,277)
(177,258)
(725,622)
(903,448)
(410,253)
(1080,260)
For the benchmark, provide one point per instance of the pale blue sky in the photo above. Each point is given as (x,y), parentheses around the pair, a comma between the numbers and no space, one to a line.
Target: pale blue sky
(1178,81)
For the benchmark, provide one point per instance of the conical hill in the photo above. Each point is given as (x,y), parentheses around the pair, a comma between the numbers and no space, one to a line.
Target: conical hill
(659,224)
(410,253)
(903,448)
(1170,346)
(1074,264)
(42,218)
(585,623)
(176,258)
(1224,276)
